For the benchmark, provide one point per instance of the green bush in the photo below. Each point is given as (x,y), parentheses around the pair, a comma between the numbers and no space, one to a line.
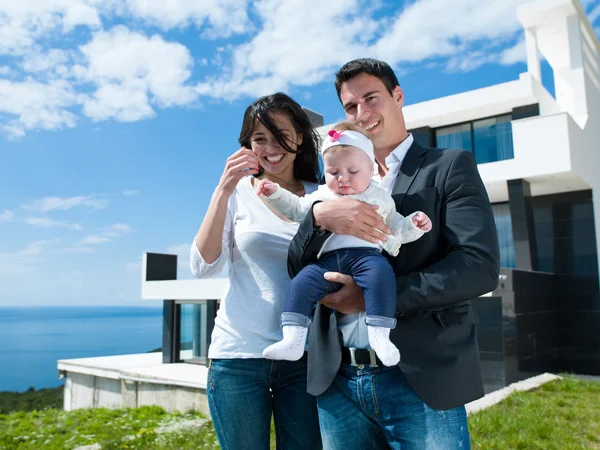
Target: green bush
(31,400)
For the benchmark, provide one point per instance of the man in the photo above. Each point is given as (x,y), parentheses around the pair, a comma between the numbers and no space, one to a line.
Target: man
(418,404)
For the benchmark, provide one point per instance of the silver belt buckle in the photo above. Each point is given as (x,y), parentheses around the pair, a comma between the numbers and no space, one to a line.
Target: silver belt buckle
(353,357)
(372,359)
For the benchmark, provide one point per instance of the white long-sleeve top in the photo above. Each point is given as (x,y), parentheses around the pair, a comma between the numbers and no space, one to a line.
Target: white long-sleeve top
(403,228)
(255,243)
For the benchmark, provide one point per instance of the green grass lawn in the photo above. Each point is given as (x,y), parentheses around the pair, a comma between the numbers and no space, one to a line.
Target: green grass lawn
(561,414)
(53,429)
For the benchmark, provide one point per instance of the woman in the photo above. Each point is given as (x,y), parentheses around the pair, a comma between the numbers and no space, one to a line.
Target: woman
(244,389)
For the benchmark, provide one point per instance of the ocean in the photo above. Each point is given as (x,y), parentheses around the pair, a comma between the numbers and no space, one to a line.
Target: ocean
(32,339)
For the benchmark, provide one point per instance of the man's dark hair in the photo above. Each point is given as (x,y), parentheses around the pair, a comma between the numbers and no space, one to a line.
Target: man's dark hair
(369,66)
(306,164)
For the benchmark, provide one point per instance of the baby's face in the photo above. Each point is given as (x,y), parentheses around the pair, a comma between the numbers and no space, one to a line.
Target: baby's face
(347,171)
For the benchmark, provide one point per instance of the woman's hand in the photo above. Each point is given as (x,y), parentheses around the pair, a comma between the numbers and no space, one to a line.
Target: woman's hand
(241,163)
(267,188)
(348,299)
(349,216)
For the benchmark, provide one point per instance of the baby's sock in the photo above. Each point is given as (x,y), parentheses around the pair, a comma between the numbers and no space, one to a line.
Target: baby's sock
(379,339)
(291,347)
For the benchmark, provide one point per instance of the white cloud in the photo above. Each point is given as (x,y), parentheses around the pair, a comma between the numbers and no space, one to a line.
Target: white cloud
(514,54)
(53,60)
(24,261)
(125,103)
(132,71)
(6,216)
(288,52)
(130,192)
(23,22)
(128,72)
(437,28)
(108,235)
(78,248)
(98,238)
(121,228)
(46,222)
(47,204)
(35,105)
(35,248)
(218,18)
(468,62)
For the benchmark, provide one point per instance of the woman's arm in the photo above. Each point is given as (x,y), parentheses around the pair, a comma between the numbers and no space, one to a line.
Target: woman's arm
(210,235)
(201,268)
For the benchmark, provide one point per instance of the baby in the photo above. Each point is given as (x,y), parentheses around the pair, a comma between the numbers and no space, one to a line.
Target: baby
(349,164)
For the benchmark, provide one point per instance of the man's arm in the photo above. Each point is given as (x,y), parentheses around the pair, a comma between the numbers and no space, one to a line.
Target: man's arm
(472,262)
(342,216)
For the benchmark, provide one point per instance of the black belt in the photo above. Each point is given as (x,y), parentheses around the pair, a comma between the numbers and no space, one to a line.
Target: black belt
(360,356)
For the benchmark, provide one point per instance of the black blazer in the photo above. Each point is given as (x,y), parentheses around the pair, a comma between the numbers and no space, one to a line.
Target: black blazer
(436,276)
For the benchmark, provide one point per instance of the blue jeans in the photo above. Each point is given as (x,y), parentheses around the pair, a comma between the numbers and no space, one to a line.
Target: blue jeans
(370,270)
(244,393)
(375,408)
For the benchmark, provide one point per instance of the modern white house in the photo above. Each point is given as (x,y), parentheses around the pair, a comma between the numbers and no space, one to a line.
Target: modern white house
(532,144)
(539,156)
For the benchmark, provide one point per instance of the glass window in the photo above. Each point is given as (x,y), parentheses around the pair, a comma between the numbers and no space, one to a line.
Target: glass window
(492,139)
(565,232)
(505,234)
(193,334)
(456,136)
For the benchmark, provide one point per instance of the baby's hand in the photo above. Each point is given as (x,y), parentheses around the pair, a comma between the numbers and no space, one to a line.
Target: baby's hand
(422,221)
(267,188)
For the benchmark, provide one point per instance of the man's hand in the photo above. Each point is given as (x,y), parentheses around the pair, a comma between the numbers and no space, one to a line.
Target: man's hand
(349,216)
(348,299)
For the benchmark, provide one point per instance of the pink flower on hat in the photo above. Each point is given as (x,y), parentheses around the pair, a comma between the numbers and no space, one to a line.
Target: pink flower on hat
(335,135)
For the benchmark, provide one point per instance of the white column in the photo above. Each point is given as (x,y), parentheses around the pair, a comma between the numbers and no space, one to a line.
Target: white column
(533,54)
(580,107)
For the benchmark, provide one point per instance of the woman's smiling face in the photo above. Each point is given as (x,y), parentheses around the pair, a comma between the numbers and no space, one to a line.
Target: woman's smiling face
(271,155)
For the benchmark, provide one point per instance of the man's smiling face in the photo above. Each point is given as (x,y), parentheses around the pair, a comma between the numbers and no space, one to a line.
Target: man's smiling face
(368,103)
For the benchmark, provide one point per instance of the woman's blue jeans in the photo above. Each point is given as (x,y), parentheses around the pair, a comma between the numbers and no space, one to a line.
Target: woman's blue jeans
(243,394)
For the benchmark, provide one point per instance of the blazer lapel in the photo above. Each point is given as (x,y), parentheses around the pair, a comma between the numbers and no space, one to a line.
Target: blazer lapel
(414,159)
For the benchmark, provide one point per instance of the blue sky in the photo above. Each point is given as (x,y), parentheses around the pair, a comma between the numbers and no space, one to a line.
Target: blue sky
(116,117)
